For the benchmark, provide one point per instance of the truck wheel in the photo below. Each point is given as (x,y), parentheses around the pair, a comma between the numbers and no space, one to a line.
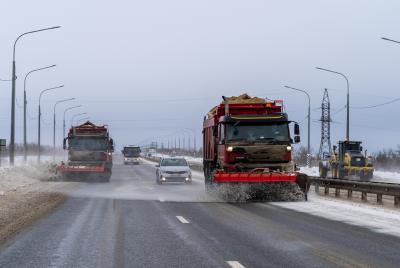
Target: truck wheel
(334,172)
(341,173)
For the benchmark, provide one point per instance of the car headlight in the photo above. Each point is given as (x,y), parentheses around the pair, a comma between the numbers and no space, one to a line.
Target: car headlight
(288,148)
(229,149)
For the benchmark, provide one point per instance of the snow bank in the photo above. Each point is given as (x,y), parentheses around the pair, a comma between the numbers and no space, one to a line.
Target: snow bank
(11,179)
(377,219)
(380,176)
(387,176)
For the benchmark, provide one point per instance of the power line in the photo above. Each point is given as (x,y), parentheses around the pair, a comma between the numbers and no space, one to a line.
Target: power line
(374,106)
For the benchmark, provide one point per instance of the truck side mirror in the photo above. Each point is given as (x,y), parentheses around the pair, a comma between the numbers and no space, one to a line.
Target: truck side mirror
(65,144)
(215,131)
(334,148)
(361,148)
(296,139)
(296,129)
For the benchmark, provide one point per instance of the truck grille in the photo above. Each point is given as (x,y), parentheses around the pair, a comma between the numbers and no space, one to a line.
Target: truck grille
(358,161)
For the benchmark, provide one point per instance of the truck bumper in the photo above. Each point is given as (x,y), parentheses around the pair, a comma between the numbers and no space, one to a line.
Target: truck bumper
(302,180)
(81,169)
(223,177)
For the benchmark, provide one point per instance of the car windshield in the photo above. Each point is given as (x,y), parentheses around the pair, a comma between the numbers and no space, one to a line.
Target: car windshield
(173,162)
(271,132)
(132,151)
(88,143)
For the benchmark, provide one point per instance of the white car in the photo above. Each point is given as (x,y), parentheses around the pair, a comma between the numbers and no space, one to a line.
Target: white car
(173,169)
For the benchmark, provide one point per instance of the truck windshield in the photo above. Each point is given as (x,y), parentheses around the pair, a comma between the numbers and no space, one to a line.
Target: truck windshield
(88,143)
(173,162)
(132,151)
(271,132)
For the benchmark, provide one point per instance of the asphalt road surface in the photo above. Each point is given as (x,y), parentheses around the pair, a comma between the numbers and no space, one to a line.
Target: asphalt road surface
(133,222)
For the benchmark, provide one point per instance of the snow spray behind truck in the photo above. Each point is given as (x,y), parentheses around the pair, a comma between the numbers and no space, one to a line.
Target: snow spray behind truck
(246,141)
(89,153)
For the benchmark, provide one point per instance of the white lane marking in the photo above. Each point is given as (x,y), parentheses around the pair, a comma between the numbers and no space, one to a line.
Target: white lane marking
(235,264)
(182,219)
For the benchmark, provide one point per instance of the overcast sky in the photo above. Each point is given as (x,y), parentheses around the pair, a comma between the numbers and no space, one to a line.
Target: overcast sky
(152,68)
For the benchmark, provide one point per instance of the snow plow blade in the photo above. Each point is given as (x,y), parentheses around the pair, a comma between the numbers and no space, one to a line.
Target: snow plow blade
(223,177)
(72,169)
(262,176)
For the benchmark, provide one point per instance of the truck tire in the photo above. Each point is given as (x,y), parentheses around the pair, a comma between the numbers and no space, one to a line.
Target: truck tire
(323,172)
(334,172)
(341,173)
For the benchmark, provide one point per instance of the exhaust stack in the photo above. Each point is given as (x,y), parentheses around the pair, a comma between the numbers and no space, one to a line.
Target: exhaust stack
(226,105)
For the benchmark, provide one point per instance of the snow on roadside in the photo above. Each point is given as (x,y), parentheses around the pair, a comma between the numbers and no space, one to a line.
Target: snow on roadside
(380,176)
(378,219)
(387,176)
(21,176)
(310,171)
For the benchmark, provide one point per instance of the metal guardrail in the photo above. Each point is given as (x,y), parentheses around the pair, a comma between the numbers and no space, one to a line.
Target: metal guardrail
(378,188)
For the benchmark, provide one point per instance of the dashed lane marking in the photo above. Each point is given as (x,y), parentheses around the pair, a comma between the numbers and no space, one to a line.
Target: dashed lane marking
(235,264)
(182,219)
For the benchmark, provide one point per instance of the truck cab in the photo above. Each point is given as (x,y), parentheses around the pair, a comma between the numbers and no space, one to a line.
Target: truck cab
(249,142)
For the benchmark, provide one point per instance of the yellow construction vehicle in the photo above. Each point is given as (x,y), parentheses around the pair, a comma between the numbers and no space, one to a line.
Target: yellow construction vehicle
(347,160)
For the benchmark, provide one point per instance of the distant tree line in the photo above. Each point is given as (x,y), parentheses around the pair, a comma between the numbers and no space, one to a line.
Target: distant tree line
(32,149)
(388,159)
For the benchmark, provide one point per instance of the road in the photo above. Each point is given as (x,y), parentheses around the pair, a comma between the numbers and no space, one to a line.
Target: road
(133,222)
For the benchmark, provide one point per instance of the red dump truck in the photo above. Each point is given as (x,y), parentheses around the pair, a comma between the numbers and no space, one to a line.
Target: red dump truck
(246,140)
(89,153)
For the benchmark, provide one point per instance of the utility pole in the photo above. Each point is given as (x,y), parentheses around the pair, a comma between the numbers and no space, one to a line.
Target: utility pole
(325,146)
(39,117)
(348,99)
(309,124)
(54,124)
(14,78)
(25,104)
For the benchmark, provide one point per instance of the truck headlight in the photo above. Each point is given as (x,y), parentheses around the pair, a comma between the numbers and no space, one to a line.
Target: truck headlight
(289,148)
(229,149)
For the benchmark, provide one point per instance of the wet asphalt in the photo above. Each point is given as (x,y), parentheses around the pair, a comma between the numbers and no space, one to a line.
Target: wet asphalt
(133,222)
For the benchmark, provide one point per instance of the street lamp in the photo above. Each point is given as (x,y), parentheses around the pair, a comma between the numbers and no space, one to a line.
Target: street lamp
(309,122)
(75,115)
(194,139)
(390,40)
(65,111)
(54,120)
(348,99)
(40,115)
(82,119)
(14,77)
(25,104)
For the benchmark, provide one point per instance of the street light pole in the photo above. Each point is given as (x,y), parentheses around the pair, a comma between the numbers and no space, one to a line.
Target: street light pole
(13,78)
(40,115)
(75,115)
(25,104)
(390,40)
(309,123)
(82,119)
(54,122)
(348,99)
(65,111)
